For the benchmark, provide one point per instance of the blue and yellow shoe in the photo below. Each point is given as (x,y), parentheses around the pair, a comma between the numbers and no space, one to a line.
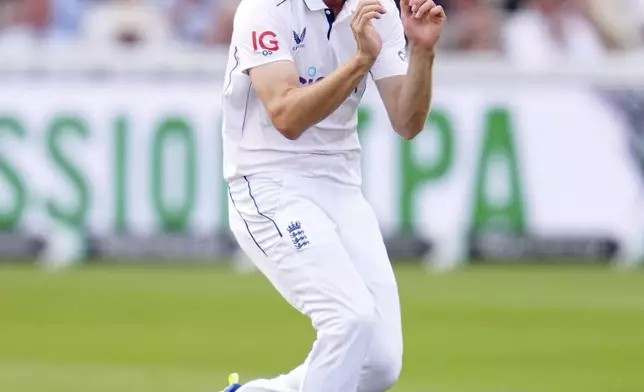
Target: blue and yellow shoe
(233,383)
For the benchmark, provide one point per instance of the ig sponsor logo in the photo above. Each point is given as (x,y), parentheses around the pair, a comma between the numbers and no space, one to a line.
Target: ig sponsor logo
(265,42)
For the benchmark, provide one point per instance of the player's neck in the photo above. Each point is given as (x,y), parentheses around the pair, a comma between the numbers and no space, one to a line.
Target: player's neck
(335,5)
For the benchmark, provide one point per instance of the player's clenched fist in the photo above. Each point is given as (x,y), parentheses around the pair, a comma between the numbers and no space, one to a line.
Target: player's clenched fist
(423,21)
(369,42)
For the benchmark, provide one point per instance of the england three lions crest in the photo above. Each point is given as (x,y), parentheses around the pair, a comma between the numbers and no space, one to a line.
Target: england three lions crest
(298,236)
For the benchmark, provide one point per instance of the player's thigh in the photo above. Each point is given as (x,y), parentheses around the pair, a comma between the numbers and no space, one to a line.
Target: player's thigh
(253,204)
(295,244)
(361,237)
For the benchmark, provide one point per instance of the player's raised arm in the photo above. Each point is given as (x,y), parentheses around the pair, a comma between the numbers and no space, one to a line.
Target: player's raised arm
(292,108)
(407,94)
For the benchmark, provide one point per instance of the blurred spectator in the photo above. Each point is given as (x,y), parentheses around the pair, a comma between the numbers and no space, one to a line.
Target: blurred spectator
(532,32)
(37,21)
(132,23)
(224,22)
(546,32)
(620,22)
(66,16)
(25,21)
(201,21)
(639,12)
(473,26)
(8,14)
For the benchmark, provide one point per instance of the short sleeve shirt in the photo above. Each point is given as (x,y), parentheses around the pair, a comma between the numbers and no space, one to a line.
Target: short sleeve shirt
(306,33)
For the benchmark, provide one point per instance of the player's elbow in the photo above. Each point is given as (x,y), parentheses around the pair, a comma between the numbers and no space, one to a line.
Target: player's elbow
(289,132)
(412,128)
(284,122)
(409,133)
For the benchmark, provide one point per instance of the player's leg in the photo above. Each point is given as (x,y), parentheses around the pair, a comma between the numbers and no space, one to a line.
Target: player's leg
(360,233)
(306,261)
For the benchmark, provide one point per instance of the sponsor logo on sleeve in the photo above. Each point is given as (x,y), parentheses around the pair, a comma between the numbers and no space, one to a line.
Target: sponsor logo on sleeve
(265,42)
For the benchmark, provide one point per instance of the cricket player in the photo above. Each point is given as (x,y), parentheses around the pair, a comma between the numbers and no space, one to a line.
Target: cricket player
(296,74)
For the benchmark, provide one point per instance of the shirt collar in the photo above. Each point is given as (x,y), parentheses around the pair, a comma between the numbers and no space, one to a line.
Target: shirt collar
(315,5)
(318,5)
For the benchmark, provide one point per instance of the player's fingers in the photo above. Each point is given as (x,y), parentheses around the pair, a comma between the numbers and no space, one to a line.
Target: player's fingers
(437,13)
(372,11)
(373,8)
(362,4)
(415,4)
(405,8)
(365,6)
(366,18)
(424,9)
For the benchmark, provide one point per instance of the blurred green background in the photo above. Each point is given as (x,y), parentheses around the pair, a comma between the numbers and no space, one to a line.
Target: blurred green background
(492,329)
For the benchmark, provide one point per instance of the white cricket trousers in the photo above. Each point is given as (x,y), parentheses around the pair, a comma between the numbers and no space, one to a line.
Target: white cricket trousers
(319,244)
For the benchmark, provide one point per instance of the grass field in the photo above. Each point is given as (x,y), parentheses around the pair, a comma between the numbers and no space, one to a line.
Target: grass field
(485,329)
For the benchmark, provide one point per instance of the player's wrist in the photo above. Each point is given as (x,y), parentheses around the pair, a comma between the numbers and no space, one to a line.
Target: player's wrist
(419,51)
(364,61)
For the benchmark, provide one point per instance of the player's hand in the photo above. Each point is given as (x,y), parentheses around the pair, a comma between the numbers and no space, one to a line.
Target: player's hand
(368,40)
(423,21)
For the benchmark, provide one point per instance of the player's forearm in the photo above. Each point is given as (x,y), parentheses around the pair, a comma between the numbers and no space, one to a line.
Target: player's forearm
(415,94)
(301,108)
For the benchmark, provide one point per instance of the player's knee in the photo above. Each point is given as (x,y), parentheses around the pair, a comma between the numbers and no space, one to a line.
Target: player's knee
(360,320)
(384,369)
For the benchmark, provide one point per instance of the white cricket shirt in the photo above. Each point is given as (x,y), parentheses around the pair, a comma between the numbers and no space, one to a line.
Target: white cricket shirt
(305,32)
